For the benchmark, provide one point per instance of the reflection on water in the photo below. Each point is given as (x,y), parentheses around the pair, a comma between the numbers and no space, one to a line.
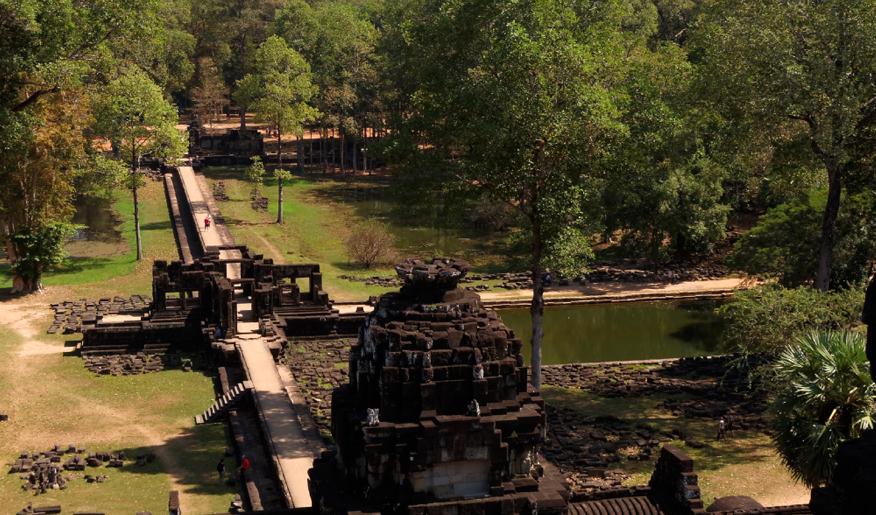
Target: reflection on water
(98,221)
(621,331)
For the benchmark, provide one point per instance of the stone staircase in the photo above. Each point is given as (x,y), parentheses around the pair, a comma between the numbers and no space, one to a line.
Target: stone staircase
(224,402)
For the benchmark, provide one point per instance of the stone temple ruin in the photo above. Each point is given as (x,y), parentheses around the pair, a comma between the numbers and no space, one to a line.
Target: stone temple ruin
(437,416)
(438,407)
(192,300)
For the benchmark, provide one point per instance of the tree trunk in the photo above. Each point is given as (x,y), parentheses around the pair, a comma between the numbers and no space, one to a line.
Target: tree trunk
(134,180)
(365,154)
(828,227)
(279,178)
(323,157)
(343,151)
(299,150)
(536,310)
(22,284)
(356,154)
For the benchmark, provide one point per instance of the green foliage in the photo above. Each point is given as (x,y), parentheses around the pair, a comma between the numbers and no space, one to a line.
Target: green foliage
(255,174)
(279,88)
(338,40)
(99,176)
(785,242)
(569,252)
(133,113)
(797,76)
(38,249)
(824,396)
(282,176)
(760,321)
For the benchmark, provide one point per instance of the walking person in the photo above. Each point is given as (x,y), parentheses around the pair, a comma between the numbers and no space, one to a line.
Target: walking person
(207,222)
(220,469)
(722,428)
(245,465)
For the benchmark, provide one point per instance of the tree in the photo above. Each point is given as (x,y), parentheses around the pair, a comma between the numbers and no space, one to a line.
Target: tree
(133,114)
(800,71)
(824,396)
(282,91)
(784,243)
(51,53)
(758,322)
(255,174)
(338,40)
(211,95)
(39,168)
(281,176)
(524,107)
(664,192)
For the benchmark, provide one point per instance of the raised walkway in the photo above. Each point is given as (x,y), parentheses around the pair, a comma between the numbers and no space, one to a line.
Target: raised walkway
(284,418)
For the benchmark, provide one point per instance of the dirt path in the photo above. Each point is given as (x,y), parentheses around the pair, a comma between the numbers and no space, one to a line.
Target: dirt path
(271,249)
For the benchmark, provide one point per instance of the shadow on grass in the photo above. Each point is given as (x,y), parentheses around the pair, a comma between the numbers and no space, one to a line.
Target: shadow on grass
(190,458)
(156,226)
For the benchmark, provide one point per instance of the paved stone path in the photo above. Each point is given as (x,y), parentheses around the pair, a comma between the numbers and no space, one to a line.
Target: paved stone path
(292,448)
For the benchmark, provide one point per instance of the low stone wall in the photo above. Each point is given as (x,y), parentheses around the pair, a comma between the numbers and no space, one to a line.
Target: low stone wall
(71,316)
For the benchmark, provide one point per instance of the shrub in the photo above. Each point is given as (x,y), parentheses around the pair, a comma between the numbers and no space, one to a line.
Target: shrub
(761,321)
(824,396)
(370,244)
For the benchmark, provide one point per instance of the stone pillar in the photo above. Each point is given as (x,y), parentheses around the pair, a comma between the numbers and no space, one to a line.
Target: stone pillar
(674,485)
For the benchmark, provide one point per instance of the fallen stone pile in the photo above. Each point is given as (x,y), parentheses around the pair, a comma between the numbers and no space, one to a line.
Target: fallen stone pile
(523,280)
(671,273)
(698,375)
(387,282)
(49,470)
(30,509)
(130,364)
(319,366)
(71,316)
(590,449)
(219,191)
(258,202)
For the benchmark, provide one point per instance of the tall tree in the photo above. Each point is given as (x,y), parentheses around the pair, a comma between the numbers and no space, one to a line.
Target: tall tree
(523,106)
(338,40)
(283,89)
(800,70)
(133,114)
(210,96)
(50,52)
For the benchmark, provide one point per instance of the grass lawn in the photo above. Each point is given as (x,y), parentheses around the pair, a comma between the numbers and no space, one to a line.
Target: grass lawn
(319,214)
(745,463)
(52,399)
(99,269)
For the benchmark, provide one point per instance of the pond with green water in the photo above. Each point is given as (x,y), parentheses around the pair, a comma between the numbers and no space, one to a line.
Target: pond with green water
(621,331)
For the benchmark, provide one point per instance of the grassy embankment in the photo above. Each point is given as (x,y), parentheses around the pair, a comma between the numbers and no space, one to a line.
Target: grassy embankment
(321,211)
(52,399)
(744,463)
